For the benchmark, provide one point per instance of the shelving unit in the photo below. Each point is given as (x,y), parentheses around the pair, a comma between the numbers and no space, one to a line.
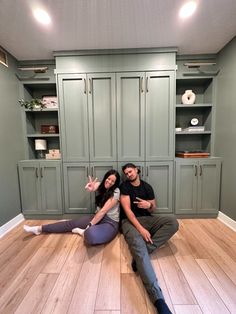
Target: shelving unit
(34,119)
(203,110)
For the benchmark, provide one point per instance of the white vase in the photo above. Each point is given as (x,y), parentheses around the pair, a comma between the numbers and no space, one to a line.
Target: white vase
(188,98)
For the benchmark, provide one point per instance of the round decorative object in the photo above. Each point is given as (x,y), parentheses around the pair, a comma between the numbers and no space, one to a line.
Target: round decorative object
(194,121)
(188,98)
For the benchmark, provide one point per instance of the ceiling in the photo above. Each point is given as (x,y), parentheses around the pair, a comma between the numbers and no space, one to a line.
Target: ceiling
(114,24)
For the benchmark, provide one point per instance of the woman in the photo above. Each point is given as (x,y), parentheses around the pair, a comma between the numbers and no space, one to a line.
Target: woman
(99,228)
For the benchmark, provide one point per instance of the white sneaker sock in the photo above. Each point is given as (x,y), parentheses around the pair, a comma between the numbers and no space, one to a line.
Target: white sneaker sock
(35,229)
(78,231)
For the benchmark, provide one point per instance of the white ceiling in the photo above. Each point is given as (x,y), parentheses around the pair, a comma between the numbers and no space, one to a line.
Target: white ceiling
(111,24)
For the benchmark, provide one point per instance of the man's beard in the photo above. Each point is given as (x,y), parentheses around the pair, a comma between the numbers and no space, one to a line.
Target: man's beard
(134,179)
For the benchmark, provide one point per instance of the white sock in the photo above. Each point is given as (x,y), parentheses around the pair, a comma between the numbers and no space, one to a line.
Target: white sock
(35,229)
(78,231)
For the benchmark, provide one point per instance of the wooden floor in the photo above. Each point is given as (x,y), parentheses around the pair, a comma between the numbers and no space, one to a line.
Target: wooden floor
(59,274)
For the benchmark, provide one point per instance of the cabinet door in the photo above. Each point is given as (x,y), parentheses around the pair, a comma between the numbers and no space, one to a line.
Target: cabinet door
(208,186)
(130,116)
(74,117)
(102,117)
(186,187)
(159,175)
(77,199)
(51,187)
(159,115)
(29,173)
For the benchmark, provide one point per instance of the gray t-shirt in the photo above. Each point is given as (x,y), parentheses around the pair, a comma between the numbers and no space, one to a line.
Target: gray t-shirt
(114,212)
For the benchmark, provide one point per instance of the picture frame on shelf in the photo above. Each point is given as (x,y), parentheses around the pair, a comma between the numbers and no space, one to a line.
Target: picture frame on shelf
(50,102)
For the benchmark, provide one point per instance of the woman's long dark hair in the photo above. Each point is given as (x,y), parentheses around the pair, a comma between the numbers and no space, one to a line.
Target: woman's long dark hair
(102,193)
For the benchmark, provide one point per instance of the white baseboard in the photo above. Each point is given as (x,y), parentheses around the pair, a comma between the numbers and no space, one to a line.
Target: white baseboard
(11,224)
(227,220)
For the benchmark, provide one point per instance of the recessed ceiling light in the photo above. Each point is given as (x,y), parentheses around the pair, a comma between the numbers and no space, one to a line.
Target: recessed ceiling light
(42,16)
(188,9)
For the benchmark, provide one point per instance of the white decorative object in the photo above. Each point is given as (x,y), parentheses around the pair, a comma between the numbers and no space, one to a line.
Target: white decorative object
(188,98)
(40,146)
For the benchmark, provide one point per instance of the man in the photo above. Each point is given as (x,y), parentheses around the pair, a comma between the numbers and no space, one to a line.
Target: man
(143,231)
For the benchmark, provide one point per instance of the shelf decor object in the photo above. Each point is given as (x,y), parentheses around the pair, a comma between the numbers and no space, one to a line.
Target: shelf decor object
(32,104)
(40,147)
(188,98)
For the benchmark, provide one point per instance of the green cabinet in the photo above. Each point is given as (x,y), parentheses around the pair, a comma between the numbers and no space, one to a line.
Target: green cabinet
(88,117)
(77,199)
(34,119)
(197,186)
(40,186)
(145,102)
(201,136)
(159,175)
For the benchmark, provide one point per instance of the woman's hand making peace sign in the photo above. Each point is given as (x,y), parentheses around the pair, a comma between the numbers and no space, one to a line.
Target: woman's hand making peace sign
(92,185)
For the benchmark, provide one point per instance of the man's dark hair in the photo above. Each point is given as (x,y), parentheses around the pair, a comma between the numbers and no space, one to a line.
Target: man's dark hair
(130,165)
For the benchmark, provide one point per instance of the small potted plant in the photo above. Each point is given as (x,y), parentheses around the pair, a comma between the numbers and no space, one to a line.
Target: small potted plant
(32,104)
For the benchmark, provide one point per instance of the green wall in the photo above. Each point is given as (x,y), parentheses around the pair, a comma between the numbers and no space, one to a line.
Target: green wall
(225,144)
(11,142)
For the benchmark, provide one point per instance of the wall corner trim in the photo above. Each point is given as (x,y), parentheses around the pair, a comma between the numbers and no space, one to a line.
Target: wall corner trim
(229,222)
(11,224)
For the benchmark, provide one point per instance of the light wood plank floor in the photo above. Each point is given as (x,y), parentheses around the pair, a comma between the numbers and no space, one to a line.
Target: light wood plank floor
(57,273)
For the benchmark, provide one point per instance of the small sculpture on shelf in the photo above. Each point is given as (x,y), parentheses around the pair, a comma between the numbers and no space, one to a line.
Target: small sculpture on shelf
(32,104)
(188,98)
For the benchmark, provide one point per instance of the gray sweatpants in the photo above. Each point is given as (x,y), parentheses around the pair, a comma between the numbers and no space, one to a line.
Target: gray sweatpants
(104,231)
(161,228)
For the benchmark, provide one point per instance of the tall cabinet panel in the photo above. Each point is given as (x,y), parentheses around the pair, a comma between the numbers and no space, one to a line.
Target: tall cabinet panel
(74,117)
(102,117)
(77,199)
(159,115)
(130,116)
(159,175)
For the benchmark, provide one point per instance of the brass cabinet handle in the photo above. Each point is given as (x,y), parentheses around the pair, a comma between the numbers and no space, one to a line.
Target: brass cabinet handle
(84,86)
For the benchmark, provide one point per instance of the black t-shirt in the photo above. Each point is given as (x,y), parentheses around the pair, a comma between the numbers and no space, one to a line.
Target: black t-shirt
(144,191)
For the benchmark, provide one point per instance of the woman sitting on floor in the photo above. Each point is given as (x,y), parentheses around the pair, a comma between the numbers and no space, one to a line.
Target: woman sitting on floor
(99,228)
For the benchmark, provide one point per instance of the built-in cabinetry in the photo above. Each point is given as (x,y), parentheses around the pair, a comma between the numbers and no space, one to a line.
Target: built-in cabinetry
(119,108)
(41,187)
(197,185)
(203,109)
(197,180)
(110,118)
(34,119)
(145,115)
